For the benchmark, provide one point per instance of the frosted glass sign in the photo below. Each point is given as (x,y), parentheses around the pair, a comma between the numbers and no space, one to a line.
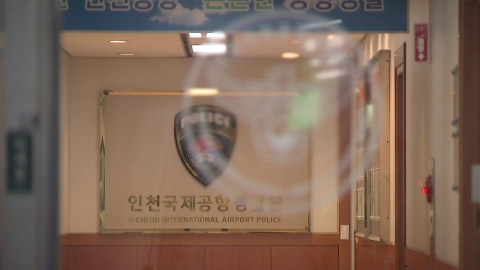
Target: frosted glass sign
(220,163)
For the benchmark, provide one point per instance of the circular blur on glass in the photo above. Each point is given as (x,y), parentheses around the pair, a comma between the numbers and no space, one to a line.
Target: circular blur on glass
(294,85)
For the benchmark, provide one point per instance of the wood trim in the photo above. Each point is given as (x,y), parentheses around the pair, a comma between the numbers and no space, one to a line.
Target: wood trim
(304,258)
(375,248)
(416,259)
(235,258)
(469,130)
(344,204)
(400,163)
(103,258)
(441,265)
(171,257)
(366,261)
(254,239)
(344,246)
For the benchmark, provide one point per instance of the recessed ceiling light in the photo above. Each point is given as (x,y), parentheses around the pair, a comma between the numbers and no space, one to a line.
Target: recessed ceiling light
(289,55)
(202,91)
(118,41)
(216,35)
(195,35)
(210,48)
(126,54)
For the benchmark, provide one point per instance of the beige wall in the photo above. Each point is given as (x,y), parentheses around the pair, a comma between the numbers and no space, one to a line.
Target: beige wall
(445,56)
(87,76)
(64,188)
(428,115)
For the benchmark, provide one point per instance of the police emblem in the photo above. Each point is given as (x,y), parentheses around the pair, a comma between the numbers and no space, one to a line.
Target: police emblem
(205,137)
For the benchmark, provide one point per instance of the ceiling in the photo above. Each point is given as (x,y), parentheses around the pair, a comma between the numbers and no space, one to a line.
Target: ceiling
(154,44)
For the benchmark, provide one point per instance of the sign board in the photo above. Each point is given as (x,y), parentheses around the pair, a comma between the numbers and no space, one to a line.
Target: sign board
(20,162)
(421,42)
(174,163)
(246,15)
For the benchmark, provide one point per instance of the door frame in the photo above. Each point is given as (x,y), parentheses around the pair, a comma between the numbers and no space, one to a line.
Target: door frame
(400,162)
(469,129)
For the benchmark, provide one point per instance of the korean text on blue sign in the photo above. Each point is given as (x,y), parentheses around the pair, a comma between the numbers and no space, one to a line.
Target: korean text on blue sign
(214,15)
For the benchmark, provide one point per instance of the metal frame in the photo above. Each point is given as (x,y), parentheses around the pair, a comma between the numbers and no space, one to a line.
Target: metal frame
(376,187)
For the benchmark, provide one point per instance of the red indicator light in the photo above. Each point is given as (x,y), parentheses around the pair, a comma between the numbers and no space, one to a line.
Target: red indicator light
(425,190)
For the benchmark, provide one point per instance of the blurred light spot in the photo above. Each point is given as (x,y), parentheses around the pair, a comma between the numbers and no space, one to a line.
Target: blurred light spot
(210,48)
(310,45)
(305,110)
(289,55)
(370,114)
(216,35)
(117,41)
(324,75)
(331,37)
(335,59)
(202,91)
(315,62)
(195,35)
(320,25)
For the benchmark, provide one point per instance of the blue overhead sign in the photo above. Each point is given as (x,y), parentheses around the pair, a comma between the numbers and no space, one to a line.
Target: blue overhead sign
(215,15)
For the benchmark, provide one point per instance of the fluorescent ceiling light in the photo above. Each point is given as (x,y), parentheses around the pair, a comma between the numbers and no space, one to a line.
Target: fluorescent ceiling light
(202,91)
(210,48)
(126,54)
(289,55)
(117,41)
(216,35)
(195,35)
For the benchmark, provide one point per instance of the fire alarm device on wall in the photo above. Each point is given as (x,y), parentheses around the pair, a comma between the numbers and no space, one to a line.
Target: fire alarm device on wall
(421,42)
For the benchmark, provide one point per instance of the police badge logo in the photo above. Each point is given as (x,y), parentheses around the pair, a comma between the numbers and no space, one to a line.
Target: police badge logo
(205,136)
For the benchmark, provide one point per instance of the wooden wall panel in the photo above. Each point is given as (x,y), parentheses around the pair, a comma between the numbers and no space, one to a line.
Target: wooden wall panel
(344,175)
(65,258)
(375,248)
(417,260)
(186,251)
(171,257)
(238,257)
(192,239)
(305,258)
(441,265)
(365,261)
(103,258)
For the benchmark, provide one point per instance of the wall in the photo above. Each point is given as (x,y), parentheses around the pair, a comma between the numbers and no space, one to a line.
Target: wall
(64,190)
(87,76)
(429,109)
(445,56)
